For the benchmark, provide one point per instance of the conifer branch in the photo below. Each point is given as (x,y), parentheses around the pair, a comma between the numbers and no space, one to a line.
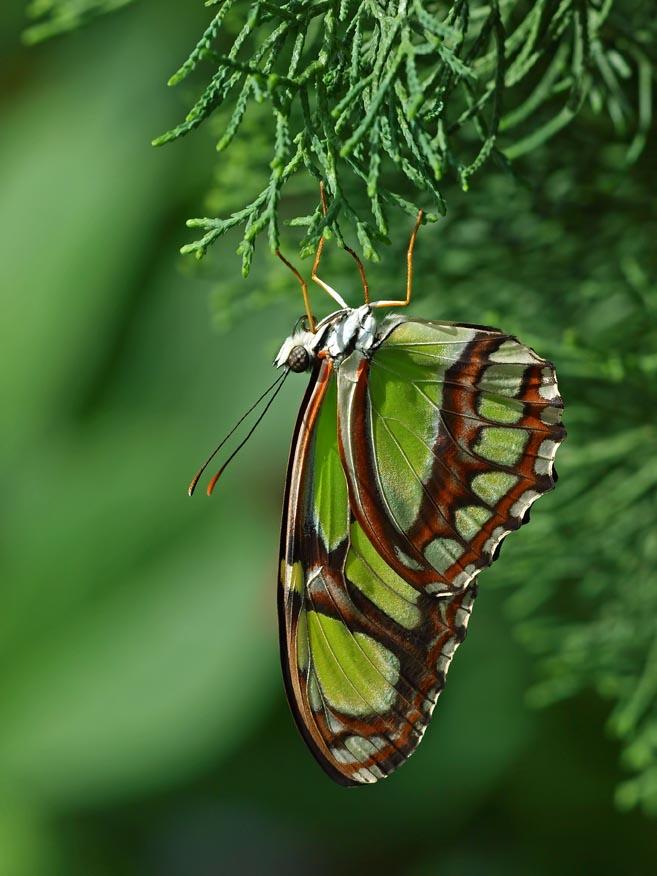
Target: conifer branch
(372,96)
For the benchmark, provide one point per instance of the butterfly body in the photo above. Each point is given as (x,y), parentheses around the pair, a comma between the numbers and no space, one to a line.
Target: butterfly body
(419,446)
(334,338)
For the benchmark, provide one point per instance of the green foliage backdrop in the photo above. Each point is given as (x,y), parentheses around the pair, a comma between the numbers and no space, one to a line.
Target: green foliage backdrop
(128,741)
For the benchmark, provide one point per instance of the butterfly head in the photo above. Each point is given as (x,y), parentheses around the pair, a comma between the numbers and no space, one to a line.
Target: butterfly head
(298,351)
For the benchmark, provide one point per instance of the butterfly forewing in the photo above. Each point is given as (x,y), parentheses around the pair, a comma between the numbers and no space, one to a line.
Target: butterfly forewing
(448,433)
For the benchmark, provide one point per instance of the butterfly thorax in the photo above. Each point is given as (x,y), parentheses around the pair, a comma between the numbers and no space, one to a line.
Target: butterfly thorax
(335,337)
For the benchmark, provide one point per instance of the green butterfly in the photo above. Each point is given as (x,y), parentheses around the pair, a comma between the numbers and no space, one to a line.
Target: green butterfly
(418,447)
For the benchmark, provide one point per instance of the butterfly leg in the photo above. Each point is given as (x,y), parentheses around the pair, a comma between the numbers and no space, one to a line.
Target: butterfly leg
(409,268)
(359,264)
(312,324)
(361,271)
(318,257)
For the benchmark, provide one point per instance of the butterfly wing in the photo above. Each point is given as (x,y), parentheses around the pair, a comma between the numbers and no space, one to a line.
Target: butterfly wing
(364,654)
(448,433)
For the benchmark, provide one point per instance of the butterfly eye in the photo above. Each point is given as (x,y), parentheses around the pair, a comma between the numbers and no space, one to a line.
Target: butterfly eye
(298,360)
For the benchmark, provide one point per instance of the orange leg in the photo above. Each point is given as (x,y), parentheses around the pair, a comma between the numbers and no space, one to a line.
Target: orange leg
(318,256)
(409,269)
(361,271)
(312,324)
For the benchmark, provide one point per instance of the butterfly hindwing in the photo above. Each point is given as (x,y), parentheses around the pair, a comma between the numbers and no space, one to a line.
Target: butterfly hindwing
(364,653)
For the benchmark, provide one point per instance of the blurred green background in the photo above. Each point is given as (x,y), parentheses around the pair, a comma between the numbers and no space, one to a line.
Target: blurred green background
(143,724)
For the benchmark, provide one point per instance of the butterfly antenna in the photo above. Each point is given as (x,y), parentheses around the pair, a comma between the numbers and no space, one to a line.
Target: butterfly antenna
(279,380)
(214,480)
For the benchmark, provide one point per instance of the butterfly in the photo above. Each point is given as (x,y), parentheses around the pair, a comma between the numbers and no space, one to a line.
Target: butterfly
(419,446)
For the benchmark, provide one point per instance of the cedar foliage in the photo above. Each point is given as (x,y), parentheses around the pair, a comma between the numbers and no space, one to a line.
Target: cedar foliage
(401,105)
(385,99)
